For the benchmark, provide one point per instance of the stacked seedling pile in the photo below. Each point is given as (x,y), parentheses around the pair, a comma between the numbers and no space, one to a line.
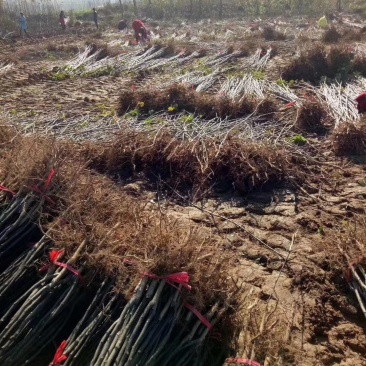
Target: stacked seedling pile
(198,165)
(349,139)
(5,68)
(157,328)
(312,116)
(340,101)
(181,97)
(107,280)
(316,63)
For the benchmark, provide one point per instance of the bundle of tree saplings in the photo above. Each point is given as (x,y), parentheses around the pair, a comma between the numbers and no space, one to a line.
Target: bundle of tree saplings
(106,280)
(356,278)
(18,223)
(157,328)
(38,316)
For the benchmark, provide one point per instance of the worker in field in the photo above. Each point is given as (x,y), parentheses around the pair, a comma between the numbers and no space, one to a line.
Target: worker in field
(122,25)
(361,103)
(62,20)
(23,24)
(141,33)
(95,18)
(287,9)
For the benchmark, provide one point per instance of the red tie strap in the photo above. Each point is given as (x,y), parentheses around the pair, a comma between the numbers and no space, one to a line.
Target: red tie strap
(201,317)
(59,356)
(181,278)
(54,256)
(349,274)
(243,361)
(291,104)
(47,187)
(7,190)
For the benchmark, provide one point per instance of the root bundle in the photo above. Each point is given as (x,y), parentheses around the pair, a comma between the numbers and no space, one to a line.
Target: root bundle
(179,97)
(349,139)
(103,49)
(270,34)
(311,117)
(331,35)
(318,62)
(194,167)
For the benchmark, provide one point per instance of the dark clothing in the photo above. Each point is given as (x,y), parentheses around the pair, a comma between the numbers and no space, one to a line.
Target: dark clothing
(122,25)
(141,34)
(63,20)
(95,18)
(361,103)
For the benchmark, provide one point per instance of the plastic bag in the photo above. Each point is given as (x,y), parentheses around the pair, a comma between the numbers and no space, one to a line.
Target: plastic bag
(323,22)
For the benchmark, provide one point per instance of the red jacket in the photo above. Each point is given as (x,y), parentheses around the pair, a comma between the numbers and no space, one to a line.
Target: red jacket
(137,25)
(361,103)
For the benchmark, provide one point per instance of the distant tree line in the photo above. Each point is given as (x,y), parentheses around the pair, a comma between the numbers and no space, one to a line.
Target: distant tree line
(197,9)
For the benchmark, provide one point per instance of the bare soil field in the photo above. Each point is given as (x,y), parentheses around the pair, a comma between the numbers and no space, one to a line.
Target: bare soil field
(241,133)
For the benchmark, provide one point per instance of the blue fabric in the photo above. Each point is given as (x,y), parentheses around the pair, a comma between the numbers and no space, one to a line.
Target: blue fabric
(23,23)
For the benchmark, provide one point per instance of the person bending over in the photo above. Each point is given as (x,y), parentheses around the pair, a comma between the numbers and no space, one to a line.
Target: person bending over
(140,30)
(361,103)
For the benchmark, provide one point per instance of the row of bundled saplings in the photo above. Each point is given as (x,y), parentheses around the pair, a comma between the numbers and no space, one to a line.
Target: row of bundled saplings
(89,276)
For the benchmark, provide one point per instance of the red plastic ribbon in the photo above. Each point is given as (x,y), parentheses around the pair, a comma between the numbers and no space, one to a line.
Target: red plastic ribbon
(181,278)
(59,356)
(47,186)
(349,274)
(4,189)
(133,88)
(291,104)
(54,256)
(201,317)
(244,361)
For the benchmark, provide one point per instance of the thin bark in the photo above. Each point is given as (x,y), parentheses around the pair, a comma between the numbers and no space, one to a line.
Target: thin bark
(122,7)
(135,8)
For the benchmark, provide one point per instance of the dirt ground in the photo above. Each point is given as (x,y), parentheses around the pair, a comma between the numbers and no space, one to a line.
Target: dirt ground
(298,305)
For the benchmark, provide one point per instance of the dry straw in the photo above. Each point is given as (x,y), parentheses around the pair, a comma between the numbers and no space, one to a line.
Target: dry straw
(349,139)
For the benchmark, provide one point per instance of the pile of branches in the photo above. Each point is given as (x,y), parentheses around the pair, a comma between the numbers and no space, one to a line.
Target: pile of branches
(349,139)
(271,34)
(87,267)
(5,68)
(193,166)
(331,35)
(318,62)
(235,87)
(340,100)
(180,97)
(312,116)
